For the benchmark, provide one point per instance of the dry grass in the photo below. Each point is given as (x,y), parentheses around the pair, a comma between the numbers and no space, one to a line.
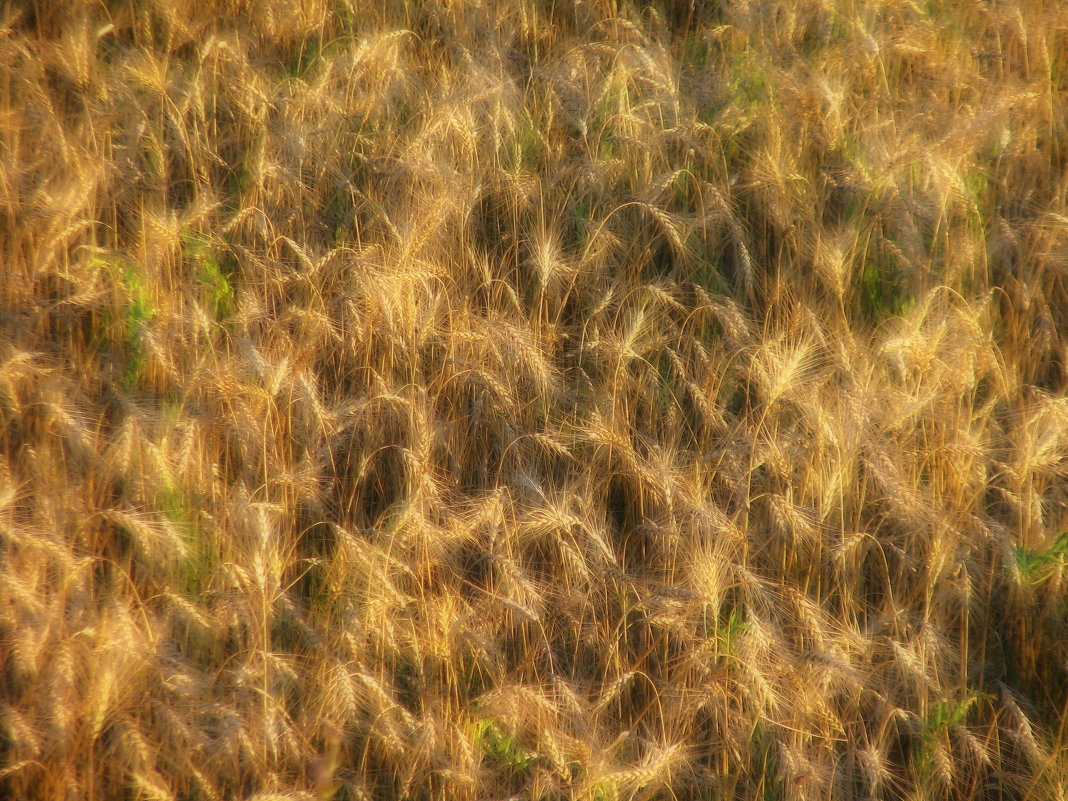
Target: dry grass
(543,400)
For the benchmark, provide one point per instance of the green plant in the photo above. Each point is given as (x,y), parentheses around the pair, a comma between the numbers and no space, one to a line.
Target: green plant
(198,558)
(136,313)
(931,754)
(525,149)
(750,84)
(214,272)
(883,290)
(503,749)
(764,769)
(727,634)
(1038,566)
(604,790)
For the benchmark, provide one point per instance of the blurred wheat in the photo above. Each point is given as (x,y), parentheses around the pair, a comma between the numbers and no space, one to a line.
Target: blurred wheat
(590,400)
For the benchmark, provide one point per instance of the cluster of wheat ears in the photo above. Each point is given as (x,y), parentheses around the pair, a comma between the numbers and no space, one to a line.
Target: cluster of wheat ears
(556,399)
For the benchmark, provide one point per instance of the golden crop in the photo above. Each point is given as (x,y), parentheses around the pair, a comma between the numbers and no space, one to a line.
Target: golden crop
(549,399)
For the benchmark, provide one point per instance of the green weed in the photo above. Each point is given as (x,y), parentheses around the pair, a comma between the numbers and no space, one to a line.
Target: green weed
(525,150)
(1037,567)
(750,84)
(764,765)
(604,790)
(136,313)
(883,290)
(502,749)
(214,273)
(940,722)
(728,634)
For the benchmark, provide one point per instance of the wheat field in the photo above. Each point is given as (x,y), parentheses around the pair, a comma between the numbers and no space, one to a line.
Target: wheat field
(534,400)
